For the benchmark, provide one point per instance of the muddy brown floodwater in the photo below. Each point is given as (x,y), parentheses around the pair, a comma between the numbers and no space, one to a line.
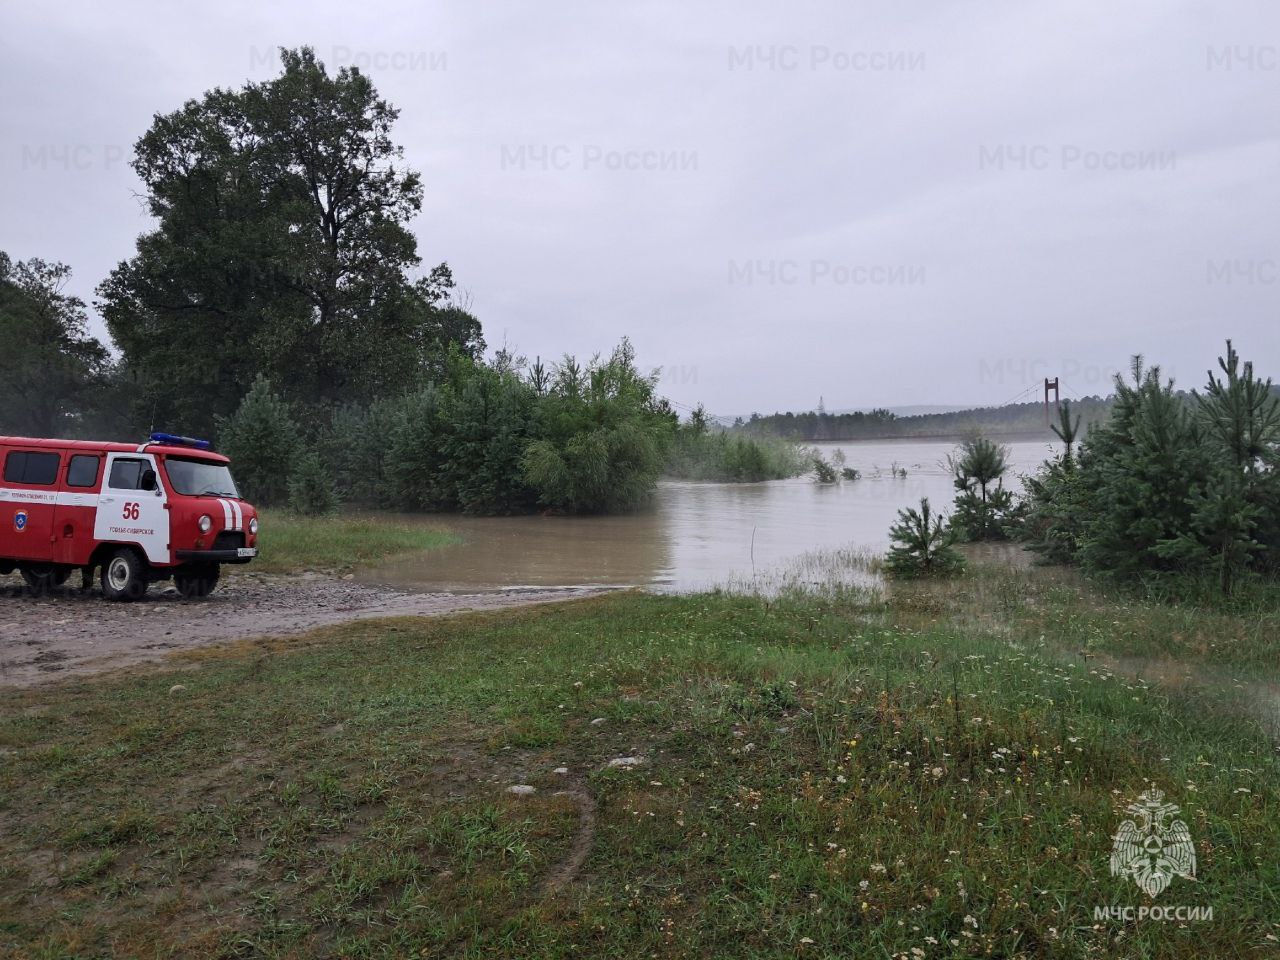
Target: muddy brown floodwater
(697,535)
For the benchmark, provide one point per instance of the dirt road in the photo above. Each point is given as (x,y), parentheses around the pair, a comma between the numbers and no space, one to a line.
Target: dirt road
(70,633)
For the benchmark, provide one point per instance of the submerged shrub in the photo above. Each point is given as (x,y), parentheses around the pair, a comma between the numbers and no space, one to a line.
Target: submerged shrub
(824,472)
(700,452)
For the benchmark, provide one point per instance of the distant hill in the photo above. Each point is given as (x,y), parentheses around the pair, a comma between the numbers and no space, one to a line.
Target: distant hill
(1016,419)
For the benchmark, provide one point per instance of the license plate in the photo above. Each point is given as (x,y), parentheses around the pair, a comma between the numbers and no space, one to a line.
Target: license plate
(246,551)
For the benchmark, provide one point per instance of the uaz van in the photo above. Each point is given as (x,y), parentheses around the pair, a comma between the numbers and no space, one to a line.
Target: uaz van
(138,513)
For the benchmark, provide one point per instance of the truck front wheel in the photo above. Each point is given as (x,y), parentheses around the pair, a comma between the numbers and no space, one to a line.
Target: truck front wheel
(124,576)
(196,583)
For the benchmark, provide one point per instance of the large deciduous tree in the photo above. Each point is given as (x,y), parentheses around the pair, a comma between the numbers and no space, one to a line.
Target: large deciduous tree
(281,249)
(51,369)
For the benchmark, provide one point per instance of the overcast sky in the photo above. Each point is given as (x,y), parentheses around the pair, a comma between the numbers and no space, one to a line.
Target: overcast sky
(875,202)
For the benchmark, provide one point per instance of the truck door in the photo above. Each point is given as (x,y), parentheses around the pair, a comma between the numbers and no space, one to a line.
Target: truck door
(73,521)
(133,506)
(28,494)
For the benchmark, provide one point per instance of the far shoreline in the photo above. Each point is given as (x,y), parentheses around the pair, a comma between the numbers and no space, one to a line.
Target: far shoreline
(952,437)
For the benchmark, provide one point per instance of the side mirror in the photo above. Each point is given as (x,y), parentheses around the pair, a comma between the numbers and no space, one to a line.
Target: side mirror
(148,480)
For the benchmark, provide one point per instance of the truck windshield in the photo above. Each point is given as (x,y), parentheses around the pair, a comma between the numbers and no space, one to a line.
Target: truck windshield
(195,478)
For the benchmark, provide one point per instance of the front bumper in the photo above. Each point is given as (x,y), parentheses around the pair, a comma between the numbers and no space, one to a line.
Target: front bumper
(238,555)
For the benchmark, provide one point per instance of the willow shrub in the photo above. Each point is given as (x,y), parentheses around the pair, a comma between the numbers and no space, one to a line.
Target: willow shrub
(701,453)
(602,437)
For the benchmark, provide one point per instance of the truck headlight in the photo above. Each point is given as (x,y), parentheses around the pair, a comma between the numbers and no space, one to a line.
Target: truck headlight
(253,527)
(205,524)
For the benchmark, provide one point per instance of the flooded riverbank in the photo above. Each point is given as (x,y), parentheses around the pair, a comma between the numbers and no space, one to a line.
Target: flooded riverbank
(696,535)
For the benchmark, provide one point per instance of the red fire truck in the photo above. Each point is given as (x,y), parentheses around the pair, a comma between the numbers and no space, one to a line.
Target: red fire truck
(139,513)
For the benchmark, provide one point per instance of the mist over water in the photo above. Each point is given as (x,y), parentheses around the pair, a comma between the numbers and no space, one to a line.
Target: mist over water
(698,535)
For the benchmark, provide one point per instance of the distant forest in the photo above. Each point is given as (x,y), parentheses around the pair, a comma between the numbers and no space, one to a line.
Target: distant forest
(1017,419)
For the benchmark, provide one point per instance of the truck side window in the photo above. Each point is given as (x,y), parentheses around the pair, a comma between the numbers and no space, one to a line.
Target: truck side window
(127,474)
(30,467)
(83,471)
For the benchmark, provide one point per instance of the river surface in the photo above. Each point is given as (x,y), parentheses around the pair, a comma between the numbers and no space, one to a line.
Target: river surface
(697,535)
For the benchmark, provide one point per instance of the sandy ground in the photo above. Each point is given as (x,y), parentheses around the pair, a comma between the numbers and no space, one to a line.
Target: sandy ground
(69,633)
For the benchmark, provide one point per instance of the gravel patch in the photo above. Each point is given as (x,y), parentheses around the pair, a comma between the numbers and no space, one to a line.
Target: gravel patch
(75,633)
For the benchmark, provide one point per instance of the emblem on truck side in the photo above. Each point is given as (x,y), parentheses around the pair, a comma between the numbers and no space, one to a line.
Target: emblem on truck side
(20,520)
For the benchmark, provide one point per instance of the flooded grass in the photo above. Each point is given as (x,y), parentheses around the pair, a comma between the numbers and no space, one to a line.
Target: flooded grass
(927,772)
(851,572)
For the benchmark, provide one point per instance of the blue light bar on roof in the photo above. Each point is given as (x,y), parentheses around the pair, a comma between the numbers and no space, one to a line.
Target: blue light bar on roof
(173,440)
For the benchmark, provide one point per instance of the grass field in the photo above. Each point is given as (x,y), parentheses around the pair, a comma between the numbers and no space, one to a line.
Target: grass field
(293,544)
(936,773)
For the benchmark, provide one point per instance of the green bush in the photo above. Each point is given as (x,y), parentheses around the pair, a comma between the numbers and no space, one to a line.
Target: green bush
(262,441)
(414,458)
(602,437)
(982,506)
(700,452)
(311,492)
(487,420)
(923,544)
(484,439)
(824,472)
(1173,485)
(355,449)
(1055,505)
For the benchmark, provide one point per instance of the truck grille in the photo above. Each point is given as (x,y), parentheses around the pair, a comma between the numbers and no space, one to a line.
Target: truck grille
(228,540)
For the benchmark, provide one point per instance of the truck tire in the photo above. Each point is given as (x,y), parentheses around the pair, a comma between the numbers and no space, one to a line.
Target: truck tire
(196,583)
(43,578)
(124,576)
